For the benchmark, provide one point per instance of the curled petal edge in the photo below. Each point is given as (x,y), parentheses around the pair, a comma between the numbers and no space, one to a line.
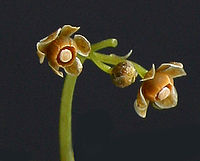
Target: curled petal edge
(141,104)
(150,74)
(51,37)
(173,69)
(68,30)
(43,43)
(40,54)
(56,69)
(75,69)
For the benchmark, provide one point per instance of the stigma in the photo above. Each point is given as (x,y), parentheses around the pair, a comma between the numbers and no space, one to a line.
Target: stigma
(164,93)
(65,55)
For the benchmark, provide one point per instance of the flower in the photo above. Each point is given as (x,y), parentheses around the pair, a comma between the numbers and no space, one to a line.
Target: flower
(123,74)
(61,50)
(158,88)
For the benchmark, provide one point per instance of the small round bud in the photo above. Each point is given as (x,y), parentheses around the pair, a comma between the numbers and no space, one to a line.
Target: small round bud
(123,74)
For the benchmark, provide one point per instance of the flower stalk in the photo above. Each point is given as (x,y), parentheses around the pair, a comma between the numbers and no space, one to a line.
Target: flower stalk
(104,44)
(65,131)
(104,67)
(65,121)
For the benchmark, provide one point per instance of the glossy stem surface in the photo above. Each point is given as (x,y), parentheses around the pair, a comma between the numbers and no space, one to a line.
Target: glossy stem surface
(104,44)
(65,131)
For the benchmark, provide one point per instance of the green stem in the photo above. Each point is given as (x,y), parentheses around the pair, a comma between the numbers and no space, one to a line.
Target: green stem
(65,134)
(99,64)
(114,60)
(104,44)
(65,130)
(141,71)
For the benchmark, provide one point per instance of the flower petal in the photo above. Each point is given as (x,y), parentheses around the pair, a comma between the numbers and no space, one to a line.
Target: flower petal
(155,106)
(51,37)
(173,69)
(43,43)
(170,101)
(83,45)
(150,74)
(40,54)
(68,30)
(55,69)
(141,104)
(75,69)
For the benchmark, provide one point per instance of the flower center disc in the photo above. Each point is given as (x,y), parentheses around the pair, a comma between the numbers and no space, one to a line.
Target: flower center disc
(164,93)
(65,55)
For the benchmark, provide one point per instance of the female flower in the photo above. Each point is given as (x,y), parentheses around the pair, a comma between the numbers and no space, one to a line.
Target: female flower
(61,50)
(158,88)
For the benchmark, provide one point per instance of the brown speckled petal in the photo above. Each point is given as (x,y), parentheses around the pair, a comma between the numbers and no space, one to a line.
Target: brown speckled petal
(75,69)
(173,69)
(56,69)
(83,45)
(141,104)
(68,30)
(170,101)
(150,74)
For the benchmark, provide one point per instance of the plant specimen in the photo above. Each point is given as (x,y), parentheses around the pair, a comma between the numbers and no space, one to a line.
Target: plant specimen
(63,51)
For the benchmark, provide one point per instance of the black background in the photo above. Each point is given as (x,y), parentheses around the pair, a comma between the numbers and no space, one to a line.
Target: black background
(105,125)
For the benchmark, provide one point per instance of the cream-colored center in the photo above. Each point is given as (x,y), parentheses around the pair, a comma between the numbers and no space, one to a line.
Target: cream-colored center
(65,55)
(164,93)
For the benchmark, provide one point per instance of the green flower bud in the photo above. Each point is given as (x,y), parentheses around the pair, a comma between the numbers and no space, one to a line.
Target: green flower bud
(123,74)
